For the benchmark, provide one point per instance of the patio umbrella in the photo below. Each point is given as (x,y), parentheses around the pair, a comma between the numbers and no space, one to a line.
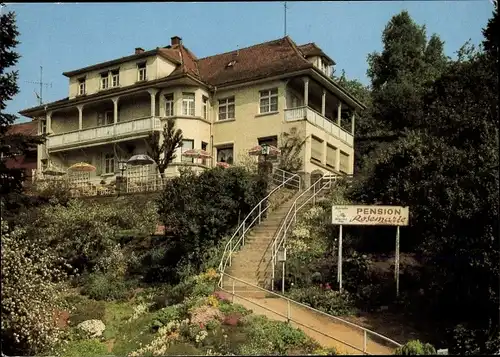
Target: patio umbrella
(197,154)
(224,165)
(140,159)
(82,167)
(264,150)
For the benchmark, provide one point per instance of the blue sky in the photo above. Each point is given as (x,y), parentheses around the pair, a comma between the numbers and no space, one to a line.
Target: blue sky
(63,37)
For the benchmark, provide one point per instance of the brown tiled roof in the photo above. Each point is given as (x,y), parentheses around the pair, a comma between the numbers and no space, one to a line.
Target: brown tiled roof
(186,59)
(29,128)
(311,49)
(263,60)
(259,61)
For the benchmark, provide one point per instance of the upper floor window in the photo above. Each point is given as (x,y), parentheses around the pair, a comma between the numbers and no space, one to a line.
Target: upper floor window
(226,108)
(188,104)
(269,100)
(141,71)
(81,86)
(115,78)
(109,163)
(104,80)
(205,107)
(169,105)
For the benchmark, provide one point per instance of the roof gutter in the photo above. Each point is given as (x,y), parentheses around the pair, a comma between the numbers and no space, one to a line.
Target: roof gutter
(41,109)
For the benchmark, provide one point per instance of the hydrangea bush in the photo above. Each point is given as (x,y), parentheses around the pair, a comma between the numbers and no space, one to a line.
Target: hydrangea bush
(31,293)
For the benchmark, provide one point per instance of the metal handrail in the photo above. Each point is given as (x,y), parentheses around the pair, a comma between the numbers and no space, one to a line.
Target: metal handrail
(290,318)
(291,217)
(243,228)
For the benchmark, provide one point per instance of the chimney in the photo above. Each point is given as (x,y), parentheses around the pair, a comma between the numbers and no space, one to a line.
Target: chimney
(176,40)
(139,50)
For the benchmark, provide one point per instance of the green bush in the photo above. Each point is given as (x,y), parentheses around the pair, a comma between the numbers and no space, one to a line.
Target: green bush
(324,299)
(227,308)
(199,212)
(415,347)
(165,315)
(272,337)
(88,310)
(100,286)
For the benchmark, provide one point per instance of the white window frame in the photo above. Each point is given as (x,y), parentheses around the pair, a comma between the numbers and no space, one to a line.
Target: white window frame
(115,78)
(169,105)
(268,95)
(184,148)
(223,149)
(109,163)
(82,87)
(224,109)
(188,104)
(104,81)
(204,111)
(142,72)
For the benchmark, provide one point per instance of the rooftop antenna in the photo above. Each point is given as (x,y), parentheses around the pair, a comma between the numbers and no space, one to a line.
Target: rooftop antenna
(285,8)
(41,84)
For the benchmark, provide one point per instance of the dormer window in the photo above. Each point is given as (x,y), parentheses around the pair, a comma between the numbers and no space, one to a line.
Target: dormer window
(141,72)
(104,80)
(81,86)
(325,66)
(115,78)
(231,64)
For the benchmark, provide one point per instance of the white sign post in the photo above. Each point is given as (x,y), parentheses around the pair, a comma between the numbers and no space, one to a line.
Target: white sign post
(370,216)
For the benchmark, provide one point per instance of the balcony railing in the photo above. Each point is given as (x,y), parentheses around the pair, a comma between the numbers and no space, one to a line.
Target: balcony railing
(120,129)
(319,120)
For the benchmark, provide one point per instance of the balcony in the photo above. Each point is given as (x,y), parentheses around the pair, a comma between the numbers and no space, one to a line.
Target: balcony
(320,121)
(120,130)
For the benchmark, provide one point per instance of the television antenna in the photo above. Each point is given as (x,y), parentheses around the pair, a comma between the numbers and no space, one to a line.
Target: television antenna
(285,8)
(42,84)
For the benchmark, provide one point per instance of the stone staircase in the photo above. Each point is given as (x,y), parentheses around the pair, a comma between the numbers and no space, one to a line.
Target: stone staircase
(252,263)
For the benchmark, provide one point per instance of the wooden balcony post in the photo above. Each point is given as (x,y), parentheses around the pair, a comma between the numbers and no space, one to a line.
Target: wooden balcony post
(48,117)
(115,109)
(306,91)
(323,103)
(80,116)
(353,120)
(152,93)
(339,114)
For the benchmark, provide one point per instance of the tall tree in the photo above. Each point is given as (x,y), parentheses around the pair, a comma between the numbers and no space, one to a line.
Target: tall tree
(400,73)
(446,170)
(10,144)
(164,153)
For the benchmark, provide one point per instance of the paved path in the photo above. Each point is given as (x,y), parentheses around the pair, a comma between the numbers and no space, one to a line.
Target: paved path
(304,318)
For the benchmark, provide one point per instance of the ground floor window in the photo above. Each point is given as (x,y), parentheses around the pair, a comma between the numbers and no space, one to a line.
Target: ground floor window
(225,154)
(109,163)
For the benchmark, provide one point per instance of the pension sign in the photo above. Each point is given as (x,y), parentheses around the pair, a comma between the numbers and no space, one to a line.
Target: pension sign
(370,215)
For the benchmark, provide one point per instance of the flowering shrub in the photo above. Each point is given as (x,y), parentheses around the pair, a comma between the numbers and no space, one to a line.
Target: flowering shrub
(212,301)
(94,328)
(30,293)
(204,314)
(139,310)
